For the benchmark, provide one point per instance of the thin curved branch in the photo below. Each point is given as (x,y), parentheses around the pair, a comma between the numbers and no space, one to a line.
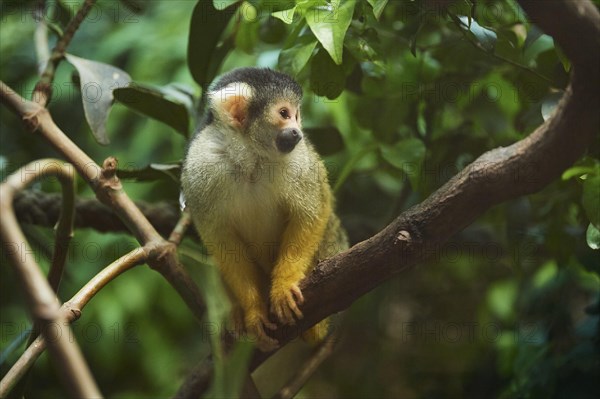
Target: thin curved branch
(496,176)
(71,311)
(321,353)
(64,227)
(41,169)
(182,226)
(41,299)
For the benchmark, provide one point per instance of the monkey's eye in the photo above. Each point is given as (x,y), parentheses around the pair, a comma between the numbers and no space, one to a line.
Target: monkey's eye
(285,114)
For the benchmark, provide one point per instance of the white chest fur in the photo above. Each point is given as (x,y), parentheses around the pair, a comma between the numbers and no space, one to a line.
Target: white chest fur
(257,216)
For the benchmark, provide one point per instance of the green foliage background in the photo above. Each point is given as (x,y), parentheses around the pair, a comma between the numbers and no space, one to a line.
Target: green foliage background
(398,98)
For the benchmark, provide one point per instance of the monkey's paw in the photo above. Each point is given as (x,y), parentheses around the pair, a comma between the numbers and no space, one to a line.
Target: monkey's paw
(256,325)
(284,303)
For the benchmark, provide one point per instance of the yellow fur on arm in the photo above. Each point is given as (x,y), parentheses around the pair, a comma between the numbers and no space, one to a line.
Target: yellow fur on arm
(300,242)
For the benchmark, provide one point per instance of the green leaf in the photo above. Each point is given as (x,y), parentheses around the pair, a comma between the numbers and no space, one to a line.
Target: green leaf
(583,169)
(378,6)
(507,46)
(326,78)
(351,164)
(97,83)
(545,274)
(485,36)
(328,140)
(412,42)
(231,375)
(360,45)
(501,297)
(135,6)
(576,171)
(592,237)
(533,34)
(566,63)
(230,371)
(272,31)
(164,104)
(406,155)
(247,36)
(207,26)
(591,199)
(533,48)
(286,16)
(221,4)
(292,60)
(152,172)
(329,24)
(549,104)
(421,121)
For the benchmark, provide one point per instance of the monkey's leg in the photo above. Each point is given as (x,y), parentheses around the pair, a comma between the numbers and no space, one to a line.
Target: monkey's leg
(296,256)
(245,281)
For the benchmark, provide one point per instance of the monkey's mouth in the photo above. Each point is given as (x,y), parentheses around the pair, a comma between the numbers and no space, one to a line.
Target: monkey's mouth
(287,139)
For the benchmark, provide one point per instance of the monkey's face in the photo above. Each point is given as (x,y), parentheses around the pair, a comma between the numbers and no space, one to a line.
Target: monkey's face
(269,120)
(275,127)
(285,128)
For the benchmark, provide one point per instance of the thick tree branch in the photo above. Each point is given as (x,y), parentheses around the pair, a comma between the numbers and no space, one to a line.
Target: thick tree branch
(42,209)
(496,176)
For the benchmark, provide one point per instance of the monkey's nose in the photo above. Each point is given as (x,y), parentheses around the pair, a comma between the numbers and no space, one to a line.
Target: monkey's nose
(287,139)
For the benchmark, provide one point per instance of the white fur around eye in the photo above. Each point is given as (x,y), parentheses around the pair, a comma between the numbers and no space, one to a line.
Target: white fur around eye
(235,89)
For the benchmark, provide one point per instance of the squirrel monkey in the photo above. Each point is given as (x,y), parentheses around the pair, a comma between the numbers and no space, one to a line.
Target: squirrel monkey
(259,197)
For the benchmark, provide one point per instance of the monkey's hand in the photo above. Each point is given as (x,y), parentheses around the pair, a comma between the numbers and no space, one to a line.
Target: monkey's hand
(299,245)
(285,299)
(256,322)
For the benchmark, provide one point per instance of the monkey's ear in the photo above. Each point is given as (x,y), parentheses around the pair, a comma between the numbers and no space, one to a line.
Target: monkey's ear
(231,103)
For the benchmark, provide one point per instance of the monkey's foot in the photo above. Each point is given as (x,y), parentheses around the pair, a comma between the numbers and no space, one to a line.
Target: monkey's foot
(284,303)
(256,326)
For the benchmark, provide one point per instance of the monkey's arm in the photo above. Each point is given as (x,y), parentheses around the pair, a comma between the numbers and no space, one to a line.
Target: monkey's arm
(299,245)
(246,281)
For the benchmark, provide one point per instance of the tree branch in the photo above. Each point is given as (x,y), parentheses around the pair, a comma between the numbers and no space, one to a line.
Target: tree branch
(180,229)
(41,299)
(43,209)
(496,176)
(107,186)
(322,352)
(71,311)
(43,89)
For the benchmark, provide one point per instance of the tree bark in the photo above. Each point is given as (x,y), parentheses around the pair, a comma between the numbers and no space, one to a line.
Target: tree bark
(495,177)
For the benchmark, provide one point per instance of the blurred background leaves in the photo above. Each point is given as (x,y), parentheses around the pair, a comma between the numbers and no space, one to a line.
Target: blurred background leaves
(399,97)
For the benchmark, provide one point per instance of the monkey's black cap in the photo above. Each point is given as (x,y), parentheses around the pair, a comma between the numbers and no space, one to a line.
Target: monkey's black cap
(267,86)
(263,80)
